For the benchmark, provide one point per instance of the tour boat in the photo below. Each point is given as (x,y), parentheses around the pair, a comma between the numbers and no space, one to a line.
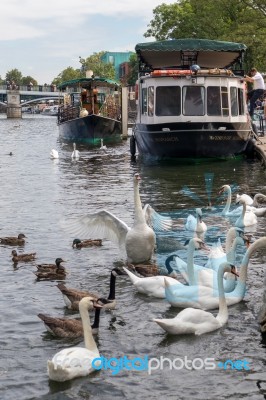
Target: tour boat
(90,111)
(191,100)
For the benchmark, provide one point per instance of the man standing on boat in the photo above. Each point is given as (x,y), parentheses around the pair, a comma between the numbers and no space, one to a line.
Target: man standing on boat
(257,91)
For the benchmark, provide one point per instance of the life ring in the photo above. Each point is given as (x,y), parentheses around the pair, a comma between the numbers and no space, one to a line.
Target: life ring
(171,72)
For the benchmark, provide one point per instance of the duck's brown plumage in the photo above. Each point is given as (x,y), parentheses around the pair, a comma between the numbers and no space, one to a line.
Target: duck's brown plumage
(51,271)
(68,328)
(145,269)
(73,296)
(77,243)
(14,241)
(22,257)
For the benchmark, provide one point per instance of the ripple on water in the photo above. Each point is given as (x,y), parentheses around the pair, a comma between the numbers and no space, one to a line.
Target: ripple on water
(37,193)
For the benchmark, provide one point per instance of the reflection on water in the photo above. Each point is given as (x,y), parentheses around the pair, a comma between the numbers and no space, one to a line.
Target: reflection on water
(37,193)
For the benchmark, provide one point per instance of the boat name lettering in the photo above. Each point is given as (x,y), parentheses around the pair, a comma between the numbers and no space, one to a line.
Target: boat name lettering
(167,139)
(224,138)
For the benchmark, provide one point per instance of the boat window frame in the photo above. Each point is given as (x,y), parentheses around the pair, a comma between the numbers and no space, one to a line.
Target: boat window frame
(234,101)
(144,101)
(168,104)
(190,99)
(214,103)
(150,101)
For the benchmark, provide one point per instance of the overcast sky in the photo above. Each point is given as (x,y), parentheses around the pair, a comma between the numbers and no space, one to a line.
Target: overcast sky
(42,37)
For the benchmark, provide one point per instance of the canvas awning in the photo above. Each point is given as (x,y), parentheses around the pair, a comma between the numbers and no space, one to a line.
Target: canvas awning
(185,52)
(89,83)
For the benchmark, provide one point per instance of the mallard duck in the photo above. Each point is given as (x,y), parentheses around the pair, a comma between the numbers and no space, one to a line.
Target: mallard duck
(72,297)
(145,270)
(14,241)
(22,257)
(77,243)
(51,271)
(69,328)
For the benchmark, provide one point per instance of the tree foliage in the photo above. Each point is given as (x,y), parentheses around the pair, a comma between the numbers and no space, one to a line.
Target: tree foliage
(242,21)
(14,75)
(67,74)
(133,70)
(99,68)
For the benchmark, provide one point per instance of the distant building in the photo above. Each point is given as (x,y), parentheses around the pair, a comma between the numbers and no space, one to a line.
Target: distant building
(119,60)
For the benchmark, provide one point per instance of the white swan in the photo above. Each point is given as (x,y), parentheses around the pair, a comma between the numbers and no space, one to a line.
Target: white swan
(207,298)
(249,201)
(74,362)
(217,255)
(237,211)
(196,274)
(197,321)
(103,147)
(75,154)
(196,224)
(246,218)
(54,154)
(153,286)
(138,242)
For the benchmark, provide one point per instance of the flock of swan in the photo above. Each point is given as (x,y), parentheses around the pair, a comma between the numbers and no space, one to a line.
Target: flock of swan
(195,288)
(75,155)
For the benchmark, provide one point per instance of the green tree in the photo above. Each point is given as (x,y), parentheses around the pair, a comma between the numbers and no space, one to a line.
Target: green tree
(99,68)
(228,20)
(14,75)
(27,79)
(133,74)
(67,75)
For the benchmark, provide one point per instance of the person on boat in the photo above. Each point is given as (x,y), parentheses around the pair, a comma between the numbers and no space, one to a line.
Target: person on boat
(258,88)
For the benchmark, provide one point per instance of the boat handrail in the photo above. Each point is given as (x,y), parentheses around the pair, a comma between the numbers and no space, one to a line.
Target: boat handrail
(68,112)
(180,72)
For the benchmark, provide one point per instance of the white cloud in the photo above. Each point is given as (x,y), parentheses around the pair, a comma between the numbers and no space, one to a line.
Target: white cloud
(48,35)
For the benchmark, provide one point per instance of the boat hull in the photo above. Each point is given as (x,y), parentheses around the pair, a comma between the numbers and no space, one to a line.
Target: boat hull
(192,140)
(90,130)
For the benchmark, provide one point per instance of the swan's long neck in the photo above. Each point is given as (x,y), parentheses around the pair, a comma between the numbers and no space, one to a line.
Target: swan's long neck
(112,286)
(190,263)
(241,283)
(134,279)
(231,234)
(88,338)
(222,315)
(231,254)
(228,201)
(139,216)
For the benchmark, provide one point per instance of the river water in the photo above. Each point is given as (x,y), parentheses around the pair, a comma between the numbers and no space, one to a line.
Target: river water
(36,194)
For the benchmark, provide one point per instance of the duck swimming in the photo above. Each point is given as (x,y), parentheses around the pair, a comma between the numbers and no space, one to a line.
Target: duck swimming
(72,297)
(78,244)
(22,257)
(51,271)
(69,328)
(14,241)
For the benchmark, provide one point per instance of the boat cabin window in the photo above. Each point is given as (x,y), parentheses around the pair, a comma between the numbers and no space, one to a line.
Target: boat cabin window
(225,104)
(241,102)
(168,101)
(213,100)
(233,100)
(144,101)
(150,101)
(193,100)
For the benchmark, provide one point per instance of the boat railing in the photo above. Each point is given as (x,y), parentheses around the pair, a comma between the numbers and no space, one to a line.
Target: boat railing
(66,113)
(110,108)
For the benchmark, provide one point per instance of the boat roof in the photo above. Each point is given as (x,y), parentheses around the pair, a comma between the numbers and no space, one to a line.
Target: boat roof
(185,52)
(89,83)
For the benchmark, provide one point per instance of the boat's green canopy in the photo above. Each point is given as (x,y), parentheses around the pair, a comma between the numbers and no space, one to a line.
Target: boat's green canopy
(185,52)
(89,83)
